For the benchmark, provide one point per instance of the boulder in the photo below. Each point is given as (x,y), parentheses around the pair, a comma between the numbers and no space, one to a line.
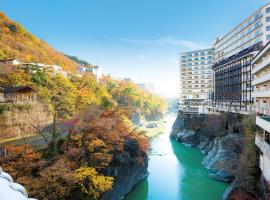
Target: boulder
(187,137)
(228,192)
(223,157)
(126,177)
(206,146)
(151,125)
(223,176)
(135,118)
(178,125)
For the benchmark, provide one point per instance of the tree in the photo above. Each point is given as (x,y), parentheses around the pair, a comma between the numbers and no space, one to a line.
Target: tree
(246,175)
(92,183)
(62,101)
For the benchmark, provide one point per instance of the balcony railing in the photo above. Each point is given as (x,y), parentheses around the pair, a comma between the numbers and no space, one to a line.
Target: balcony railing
(261,79)
(263,122)
(263,110)
(263,145)
(246,110)
(261,66)
(261,93)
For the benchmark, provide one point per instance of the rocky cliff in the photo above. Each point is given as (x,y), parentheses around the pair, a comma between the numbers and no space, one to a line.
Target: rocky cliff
(221,149)
(127,176)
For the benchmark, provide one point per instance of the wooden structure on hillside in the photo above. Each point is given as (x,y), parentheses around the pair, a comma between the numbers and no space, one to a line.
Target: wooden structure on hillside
(19,94)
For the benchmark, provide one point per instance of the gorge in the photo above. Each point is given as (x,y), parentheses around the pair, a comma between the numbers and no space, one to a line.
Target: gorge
(176,172)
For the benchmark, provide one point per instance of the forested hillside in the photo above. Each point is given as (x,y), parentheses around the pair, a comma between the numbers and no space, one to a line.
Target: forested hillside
(91,141)
(17,42)
(100,142)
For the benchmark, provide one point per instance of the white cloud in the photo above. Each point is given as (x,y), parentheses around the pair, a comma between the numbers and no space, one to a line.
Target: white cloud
(167,41)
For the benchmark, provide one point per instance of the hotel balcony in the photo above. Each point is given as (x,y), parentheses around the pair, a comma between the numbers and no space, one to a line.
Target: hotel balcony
(262,65)
(262,109)
(261,79)
(263,122)
(261,93)
(235,109)
(263,143)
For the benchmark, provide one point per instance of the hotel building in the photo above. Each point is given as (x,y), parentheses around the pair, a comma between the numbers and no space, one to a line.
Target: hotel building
(233,55)
(195,80)
(261,94)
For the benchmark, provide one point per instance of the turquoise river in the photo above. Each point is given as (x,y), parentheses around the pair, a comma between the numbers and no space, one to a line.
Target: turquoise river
(176,173)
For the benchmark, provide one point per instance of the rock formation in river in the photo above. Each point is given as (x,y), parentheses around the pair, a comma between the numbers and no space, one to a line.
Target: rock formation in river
(227,141)
(221,149)
(127,176)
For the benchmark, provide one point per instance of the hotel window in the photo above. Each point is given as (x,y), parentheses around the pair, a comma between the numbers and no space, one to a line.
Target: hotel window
(257,24)
(268,37)
(257,16)
(267,19)
(268,10)
(268,28)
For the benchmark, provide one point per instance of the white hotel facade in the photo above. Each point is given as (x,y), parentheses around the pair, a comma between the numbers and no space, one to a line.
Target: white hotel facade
(234,52)
(241,79)
(261,95)
(254,29)
(195,80)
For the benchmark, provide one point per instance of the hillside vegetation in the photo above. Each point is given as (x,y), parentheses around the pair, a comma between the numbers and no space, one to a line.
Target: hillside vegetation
(17,42)
(91,141)
(101,138)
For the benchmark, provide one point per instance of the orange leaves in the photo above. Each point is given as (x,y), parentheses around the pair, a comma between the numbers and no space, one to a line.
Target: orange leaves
(24,152)
(19,159)
(54,182)
(19,43)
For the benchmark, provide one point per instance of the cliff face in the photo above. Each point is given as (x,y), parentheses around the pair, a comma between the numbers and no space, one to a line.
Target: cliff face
(127,176)
(221,150)
(18,121)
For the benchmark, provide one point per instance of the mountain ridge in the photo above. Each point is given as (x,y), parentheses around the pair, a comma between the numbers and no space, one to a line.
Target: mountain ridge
(17,42)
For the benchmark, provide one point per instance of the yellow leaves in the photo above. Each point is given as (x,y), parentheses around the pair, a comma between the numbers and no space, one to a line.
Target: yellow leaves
(92,183)
(95,144)
(100,155)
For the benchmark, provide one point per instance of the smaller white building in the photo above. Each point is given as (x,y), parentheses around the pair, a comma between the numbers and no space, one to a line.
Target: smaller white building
(95,70)
(57,68)
(261,94)
(12,62)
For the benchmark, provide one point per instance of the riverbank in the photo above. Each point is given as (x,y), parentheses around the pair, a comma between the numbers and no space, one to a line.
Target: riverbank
(153,128)
(220,138)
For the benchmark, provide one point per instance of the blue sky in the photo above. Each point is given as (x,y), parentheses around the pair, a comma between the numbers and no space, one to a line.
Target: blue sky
(137,39)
